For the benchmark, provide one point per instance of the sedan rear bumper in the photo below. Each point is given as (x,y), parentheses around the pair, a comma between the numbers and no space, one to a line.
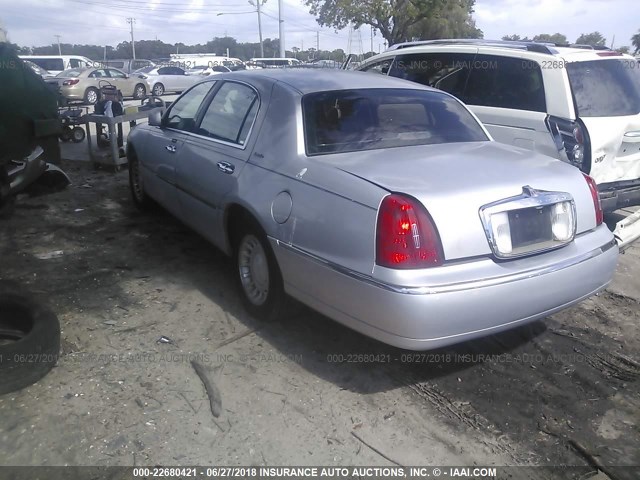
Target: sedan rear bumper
(431,316)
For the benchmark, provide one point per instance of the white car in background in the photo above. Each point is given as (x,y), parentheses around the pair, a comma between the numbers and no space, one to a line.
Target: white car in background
(579,105)
(166,79)
(205,71)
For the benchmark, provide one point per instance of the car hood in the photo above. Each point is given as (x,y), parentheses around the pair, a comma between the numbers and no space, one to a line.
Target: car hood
(453,181)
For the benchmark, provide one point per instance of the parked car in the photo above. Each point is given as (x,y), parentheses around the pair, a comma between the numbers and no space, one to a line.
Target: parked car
(205,70)
(84,84)
(381,203)
(581,106)
(129,65)
(166,79)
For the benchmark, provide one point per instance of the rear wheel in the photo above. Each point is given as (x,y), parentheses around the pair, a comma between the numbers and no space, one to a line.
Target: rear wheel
(158,89)
(91,96)
(258,275)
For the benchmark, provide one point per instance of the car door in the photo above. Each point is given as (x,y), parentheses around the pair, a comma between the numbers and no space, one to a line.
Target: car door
(183,81)
(120,80)
(213,157)
(164,147)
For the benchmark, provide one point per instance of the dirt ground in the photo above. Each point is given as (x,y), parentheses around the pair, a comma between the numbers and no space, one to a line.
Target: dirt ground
(300,391)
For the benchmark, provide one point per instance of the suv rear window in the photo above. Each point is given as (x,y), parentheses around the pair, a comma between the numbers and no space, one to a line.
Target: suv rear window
(605,88)
(368,119)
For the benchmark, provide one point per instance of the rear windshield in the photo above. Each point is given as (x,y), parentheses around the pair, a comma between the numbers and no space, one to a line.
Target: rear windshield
(605,88)
(74,72)
(349,120)
(145,69)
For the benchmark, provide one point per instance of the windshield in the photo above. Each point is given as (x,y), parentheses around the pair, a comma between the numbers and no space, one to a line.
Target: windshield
(145,69)
(74,72)
(349,120)
(605,88)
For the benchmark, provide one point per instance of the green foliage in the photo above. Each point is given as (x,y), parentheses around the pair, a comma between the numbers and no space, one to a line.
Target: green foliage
(557,38)
(593,38)
(635,41)
(623,49)
(399,20)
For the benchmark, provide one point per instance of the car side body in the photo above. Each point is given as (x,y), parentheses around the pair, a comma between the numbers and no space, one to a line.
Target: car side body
(84,83)
(322,206)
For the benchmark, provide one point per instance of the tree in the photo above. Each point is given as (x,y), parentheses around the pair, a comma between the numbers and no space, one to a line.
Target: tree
(623,49)
(513,37)
(450,20)
(594,38)
(555,38)
(635,41)
(394,19)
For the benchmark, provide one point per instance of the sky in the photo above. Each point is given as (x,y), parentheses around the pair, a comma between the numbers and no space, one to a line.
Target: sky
(100,22)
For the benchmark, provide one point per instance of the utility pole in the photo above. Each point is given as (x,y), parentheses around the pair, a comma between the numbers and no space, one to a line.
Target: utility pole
(131,21)
(59,49)
(257,5)
(283,52)
(318,42)
(371,39)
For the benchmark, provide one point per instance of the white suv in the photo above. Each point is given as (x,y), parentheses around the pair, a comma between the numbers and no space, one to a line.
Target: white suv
(579,105)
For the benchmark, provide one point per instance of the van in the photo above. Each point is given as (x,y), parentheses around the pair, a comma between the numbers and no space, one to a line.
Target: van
(194,60)
(276,62)
(55,64)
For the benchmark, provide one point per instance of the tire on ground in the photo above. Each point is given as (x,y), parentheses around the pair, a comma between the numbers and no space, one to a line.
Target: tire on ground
(29,340)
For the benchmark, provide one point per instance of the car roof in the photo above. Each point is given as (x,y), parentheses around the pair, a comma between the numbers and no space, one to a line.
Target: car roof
(315,80)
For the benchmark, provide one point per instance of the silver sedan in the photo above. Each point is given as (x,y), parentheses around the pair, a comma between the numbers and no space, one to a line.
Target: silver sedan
(380,203)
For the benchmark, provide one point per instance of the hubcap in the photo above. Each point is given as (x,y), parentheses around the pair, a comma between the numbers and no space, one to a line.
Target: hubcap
(92,96)
(254,270)
(139,92)
(158,90)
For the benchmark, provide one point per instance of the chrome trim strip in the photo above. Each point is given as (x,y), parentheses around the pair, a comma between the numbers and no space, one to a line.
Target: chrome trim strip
(451,287)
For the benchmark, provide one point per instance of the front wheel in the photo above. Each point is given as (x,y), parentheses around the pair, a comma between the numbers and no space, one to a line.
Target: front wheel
(139,196)
(158,89)
(258,275)
(139,92)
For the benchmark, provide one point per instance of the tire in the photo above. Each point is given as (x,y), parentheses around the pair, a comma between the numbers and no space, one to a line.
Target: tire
(139,92)
(78,135)
(91,96)
(65,136)
(158,89)
(257,273)
(29,341)
(140,198)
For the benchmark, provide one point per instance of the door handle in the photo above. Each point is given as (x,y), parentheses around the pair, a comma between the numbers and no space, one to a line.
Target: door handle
(171,148)
(226,167)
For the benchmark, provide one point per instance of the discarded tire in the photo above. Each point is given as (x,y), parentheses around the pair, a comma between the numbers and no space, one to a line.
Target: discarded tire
(29,341)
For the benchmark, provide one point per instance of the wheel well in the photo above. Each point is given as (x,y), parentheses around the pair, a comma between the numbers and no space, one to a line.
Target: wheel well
(238,218)
(131,151)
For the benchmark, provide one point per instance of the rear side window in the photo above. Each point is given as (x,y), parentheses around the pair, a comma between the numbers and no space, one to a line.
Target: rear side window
(368,119)
(445,71)
(505,82)
(605,88)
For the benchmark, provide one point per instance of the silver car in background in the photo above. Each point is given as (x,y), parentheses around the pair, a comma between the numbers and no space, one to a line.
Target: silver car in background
(381,203)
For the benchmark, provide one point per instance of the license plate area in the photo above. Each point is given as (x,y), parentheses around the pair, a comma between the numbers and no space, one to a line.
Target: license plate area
(530,227)
(530,223)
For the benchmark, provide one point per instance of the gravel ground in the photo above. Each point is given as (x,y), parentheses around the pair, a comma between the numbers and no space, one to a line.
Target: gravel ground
(303,390)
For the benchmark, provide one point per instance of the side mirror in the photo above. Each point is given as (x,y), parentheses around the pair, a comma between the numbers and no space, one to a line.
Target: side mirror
(155,118)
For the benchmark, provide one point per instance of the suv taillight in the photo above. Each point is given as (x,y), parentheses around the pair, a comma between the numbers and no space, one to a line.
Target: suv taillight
(406,236)
(595,195)
(572,137)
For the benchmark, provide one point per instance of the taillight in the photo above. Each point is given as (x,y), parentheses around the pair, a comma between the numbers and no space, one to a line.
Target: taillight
(73,81)
(406,236)
(571,137)
(596,198)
